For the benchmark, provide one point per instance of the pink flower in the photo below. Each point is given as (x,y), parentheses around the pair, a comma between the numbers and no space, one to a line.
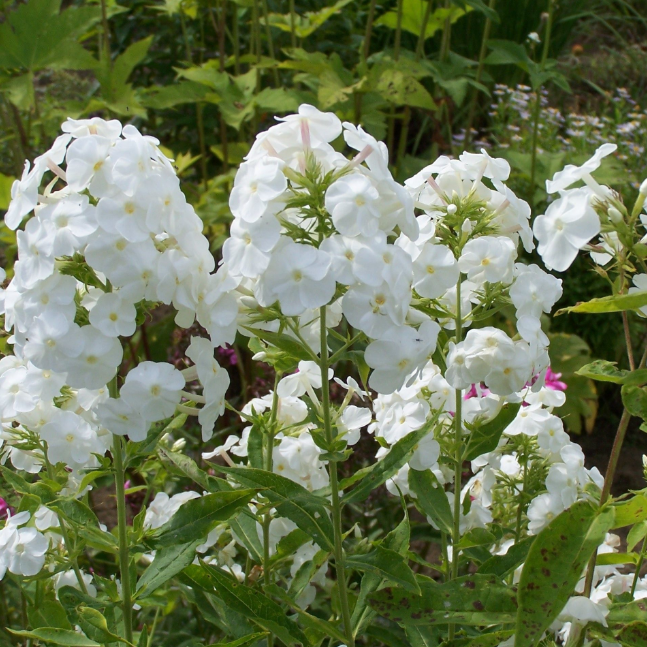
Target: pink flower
(553,382)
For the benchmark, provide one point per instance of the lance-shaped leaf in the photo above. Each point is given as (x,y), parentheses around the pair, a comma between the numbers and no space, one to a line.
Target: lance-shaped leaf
(372,477)
(471,600)
(197,517)
(168,562)
(634,634)
(632,511)
(554,565)
(388,564)
(308,511)
(432,499)
(245,641)
(501,565)
(485,438)
(614,303)
(54,636)
(255,606)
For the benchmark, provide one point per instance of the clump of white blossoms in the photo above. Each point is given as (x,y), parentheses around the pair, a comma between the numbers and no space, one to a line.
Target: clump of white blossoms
(109,235)
(329,260)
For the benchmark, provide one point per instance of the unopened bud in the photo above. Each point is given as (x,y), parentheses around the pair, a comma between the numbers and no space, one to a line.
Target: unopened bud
(179,445)
(452,209)
(467,226)
(643,188)
(614,215)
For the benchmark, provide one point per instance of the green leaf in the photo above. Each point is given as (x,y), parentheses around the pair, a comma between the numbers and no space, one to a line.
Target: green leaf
(36,36)
(481,7)
(413,12)
(630,512)
(485,438)
(95,626)
(388,564)
(372,477)
(635,400)
(471,600)
(75,511)
(308,23)
(622,614)
(322,627)
(168,562)
(188,467)
(255,606)
(606,559)
(633,635)
(169,96)
(432,499)
(49,613)
(245,641)
(246,531)
(55,636)
(505,52)
(308,511)
(638,532)
(403,89)
(501,565)
(554,566)
(604,371)
(197,517)
(614,303)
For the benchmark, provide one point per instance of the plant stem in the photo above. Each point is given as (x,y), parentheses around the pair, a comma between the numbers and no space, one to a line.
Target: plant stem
(537,111)
(293,25)
(236,37)
(64,533)
(124,558)
(369,31)
(270,44)
(268,467)
(420,46)
(630,351)
(479,75)
(105,41)
(447,35)
(458,457)
(334,486)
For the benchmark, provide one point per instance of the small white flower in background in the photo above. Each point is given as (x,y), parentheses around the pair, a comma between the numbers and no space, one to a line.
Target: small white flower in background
(69,578)
(22,550)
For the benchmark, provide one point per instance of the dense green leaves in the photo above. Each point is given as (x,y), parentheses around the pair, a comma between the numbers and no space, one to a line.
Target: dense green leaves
(255,606)
(615,303)
(308,511)
(554,566)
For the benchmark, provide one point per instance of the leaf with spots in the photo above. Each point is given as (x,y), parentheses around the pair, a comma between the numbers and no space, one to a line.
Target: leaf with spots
(634,634)
(555,564)
(471,600)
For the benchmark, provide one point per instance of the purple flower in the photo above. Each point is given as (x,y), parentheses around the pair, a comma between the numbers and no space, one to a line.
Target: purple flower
(553,382)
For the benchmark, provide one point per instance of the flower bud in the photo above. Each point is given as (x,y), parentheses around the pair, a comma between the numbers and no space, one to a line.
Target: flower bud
(614,215)
(452,209)
(643,188)
(179,445)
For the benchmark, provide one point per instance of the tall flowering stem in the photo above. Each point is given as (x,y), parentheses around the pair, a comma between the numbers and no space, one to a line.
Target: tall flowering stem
(458,455)
(122,528)
(334,485)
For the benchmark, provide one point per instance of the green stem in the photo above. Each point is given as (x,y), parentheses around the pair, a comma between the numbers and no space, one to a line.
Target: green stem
(268,466)
(64,533)
(105,41)
(396,58)
(447,35)
(236,38)
(639,565)
(270,44)
(293,25)
(334,485)
(124,558)
(479,74)
(366,47)
(458,457)
(537,111)
(420,47)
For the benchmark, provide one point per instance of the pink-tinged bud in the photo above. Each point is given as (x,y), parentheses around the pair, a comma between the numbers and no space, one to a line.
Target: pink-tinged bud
(434,185)
(362,155)
(305,133)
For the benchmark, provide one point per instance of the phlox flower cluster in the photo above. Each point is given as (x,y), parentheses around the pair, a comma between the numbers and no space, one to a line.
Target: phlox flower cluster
(108,237)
